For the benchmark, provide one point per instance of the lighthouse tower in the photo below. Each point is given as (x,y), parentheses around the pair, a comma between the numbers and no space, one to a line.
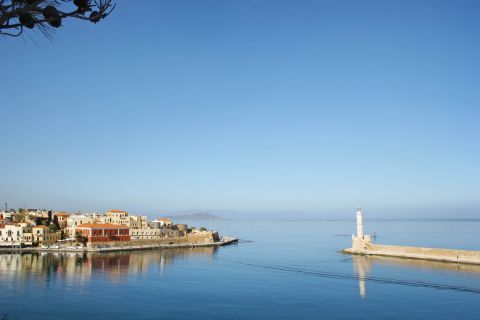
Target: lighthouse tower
(359,223)
(360,241)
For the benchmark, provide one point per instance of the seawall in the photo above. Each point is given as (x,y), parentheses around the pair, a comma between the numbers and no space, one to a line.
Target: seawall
(434,254)
(148,246)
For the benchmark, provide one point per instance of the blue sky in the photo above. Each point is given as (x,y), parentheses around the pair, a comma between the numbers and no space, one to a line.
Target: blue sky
(263,108)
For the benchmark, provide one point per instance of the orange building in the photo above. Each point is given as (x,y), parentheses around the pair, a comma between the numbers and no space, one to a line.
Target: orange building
(104,232)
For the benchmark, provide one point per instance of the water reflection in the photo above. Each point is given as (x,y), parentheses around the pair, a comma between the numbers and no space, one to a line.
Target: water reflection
(363,265)
(79,267)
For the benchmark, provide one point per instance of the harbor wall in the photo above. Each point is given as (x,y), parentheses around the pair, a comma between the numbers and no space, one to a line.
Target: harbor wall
(437,254)
(190,239)
(139,246)
(362,245)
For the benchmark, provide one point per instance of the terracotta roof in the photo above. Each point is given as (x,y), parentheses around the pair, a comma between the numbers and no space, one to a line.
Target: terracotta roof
(62,214)
(10,224)
(102,226)
(117,211)
(40,226)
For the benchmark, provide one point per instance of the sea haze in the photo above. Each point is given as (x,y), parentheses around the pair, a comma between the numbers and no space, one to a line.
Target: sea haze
(279,270)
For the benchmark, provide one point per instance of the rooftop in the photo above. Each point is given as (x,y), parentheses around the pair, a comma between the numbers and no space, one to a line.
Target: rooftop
(8,224)
(102,226)
(62,214)
(117,211)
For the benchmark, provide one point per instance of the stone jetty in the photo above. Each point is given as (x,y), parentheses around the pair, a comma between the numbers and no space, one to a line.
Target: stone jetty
(362,245)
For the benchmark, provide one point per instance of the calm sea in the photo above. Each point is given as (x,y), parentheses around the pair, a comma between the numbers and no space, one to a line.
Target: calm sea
(280,270)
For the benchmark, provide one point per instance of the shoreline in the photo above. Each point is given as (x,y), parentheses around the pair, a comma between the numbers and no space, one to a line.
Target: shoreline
(223,242)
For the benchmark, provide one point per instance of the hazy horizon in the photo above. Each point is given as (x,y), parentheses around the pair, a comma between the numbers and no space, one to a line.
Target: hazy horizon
(372,214)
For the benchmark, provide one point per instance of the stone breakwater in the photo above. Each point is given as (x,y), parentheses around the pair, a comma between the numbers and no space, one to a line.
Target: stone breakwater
(362,245)
(434,254)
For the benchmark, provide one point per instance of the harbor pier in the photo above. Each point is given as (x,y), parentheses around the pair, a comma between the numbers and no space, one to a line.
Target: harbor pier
(362,245)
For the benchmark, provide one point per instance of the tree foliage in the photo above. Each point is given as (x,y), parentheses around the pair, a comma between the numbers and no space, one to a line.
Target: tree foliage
(55,222)
(53,227)
(45,15)
(81,238)
(49,219)
(20,216)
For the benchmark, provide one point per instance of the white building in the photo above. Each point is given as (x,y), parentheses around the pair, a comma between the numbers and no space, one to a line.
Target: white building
(161,222)
(145,234)
(11,234)
(75,220)
(116,217)
(6,215)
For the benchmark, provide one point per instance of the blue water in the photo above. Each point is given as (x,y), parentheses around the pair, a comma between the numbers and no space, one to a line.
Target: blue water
(289,270)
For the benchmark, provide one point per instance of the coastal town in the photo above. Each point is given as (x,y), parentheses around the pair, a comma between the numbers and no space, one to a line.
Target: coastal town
(112,230)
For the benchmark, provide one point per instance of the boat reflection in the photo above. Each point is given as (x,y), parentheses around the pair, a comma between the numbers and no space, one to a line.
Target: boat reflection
(79,267)
(363,265)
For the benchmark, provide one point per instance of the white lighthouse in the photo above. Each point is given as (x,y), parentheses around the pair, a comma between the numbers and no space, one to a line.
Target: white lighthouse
(361,241)
(359,224)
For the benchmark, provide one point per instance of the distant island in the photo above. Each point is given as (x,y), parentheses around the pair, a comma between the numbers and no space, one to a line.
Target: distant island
(196,216)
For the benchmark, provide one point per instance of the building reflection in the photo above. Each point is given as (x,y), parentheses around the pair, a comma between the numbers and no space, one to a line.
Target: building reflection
(363,265)
(80,267)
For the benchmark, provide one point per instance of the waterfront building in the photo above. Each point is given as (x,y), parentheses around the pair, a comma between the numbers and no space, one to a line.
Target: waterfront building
(145,234)
(15,234)
(27,238)
(155,233)
(141,229)
(103,233)
(43,235)
(75,220)
(11,234)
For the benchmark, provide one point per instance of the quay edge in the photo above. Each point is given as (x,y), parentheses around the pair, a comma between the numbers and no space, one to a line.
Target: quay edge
(223,242)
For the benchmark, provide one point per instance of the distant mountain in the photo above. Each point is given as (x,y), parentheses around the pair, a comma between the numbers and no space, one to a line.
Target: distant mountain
(196,217)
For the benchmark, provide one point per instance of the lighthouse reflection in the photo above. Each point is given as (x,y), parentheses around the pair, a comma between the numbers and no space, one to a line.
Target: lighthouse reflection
(364,266)
(80,267)
(361,268)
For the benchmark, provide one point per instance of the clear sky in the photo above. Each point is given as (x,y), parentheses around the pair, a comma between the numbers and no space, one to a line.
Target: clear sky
(295,108)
